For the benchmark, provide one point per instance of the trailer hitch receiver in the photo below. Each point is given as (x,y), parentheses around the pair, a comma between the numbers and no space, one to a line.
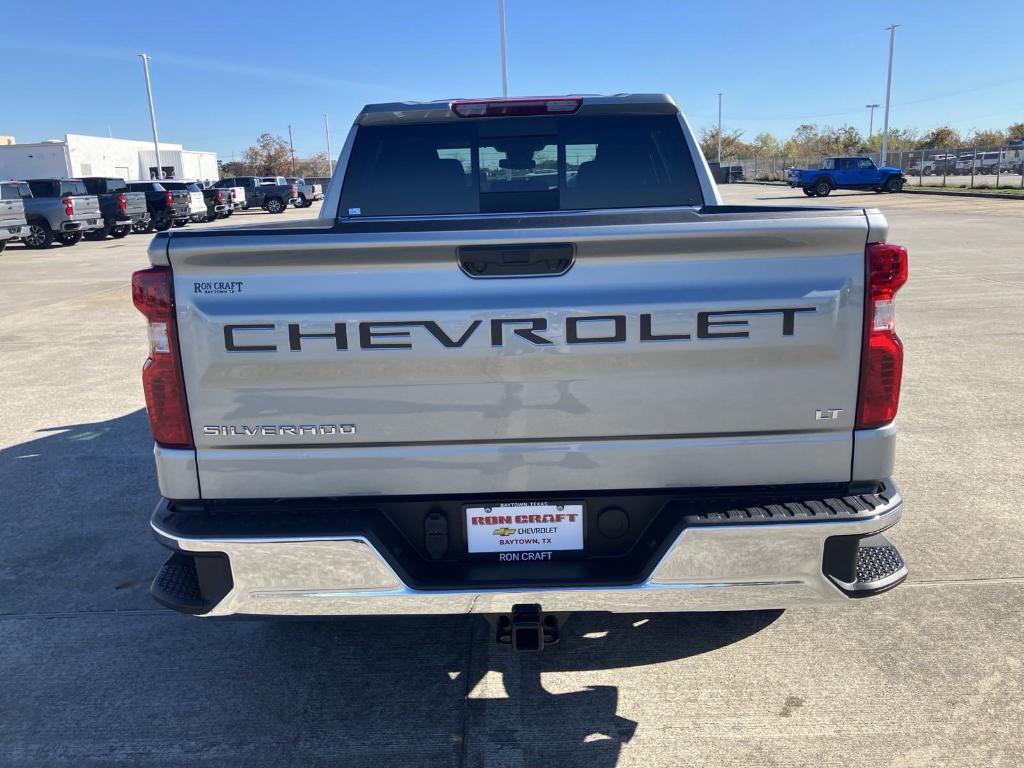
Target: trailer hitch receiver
(527,628)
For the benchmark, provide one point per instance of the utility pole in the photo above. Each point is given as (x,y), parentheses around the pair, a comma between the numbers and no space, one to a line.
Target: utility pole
(152,114)
(719,129)
(888,92)
(871,121)
(291,146)
(330,157)
(504,55)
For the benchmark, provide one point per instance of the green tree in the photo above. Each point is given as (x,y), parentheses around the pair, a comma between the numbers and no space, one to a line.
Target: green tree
(902,139)
(940,138)
(1015,132)
(732,144)
(987,138)
(232,168)
(767,145)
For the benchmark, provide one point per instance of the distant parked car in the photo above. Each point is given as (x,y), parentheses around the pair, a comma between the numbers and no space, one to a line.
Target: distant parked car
(846,173)
(121,208)
(12,211)
(271,193)
(308,193)
(59,209)
(167,207)
(982,163)
(937,165)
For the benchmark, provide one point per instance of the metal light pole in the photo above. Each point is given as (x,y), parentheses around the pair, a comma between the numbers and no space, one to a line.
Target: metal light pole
(152,114)
(871,122)
(291,147)
(504,55)
(330,158)
(888,92)
(719,129)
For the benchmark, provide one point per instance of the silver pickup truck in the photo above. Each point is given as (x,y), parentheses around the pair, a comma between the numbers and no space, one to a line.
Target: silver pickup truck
(308,193)
(13,224)
(60,209)
(525,363)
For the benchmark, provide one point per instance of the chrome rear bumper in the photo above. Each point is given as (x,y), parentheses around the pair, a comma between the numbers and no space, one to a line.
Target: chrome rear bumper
(718,566)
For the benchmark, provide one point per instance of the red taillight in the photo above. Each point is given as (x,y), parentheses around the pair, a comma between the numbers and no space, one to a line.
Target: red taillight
(218,197)
(233,195)
(69,206)
(170,200)
(293,191)
(516,107)
(162,380)
(122,202)
(881,368)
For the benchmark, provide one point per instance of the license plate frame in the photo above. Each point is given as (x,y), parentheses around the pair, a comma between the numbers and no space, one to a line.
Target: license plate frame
(559,530)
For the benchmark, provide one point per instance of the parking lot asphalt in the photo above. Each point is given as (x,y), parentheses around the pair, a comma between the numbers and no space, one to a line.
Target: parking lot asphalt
(94,673)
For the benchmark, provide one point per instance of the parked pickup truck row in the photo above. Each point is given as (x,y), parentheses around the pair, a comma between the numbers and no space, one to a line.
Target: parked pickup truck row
(271,193)
(477,384)
(40,212)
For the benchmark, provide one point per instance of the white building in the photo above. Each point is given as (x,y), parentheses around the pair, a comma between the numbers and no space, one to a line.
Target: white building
(78,156)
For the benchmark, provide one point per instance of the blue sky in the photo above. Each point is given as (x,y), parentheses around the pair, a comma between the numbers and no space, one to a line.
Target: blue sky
(223,72)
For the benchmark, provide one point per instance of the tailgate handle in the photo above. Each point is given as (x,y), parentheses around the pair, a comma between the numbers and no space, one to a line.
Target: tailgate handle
(535,260)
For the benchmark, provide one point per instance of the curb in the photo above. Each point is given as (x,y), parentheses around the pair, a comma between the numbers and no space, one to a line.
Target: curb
(910,190)
(965,193)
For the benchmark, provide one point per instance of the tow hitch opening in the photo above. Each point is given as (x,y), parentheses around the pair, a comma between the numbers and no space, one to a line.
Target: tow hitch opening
(527,628)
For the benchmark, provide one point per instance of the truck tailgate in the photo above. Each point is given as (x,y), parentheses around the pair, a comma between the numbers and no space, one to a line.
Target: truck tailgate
(12,213)
(86,206)
(687,353)
(136,203)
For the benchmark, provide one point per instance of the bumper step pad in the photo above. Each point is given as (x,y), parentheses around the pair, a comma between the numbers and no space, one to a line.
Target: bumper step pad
(192,583)
(878,563)
(864,567)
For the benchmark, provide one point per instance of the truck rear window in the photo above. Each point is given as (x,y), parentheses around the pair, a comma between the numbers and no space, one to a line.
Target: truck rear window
(14,191)
(519,164)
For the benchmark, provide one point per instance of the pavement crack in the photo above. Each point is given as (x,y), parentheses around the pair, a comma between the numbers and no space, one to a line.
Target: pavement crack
(965,582)
(83,614)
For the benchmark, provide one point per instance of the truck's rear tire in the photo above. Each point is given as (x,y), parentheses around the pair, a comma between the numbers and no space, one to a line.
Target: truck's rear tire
(180,223)
(822,188)
(894,184)
(163,224)
(274,205)
(39,235)
(70,238)
(143,228)
(119,232)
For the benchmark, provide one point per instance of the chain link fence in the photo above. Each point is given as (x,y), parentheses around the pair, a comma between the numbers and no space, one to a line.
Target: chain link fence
(954,167)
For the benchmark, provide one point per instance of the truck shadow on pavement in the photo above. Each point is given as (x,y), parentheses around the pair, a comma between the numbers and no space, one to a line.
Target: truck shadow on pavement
(95,670)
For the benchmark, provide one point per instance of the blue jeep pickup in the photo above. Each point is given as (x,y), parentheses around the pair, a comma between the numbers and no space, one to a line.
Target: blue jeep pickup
(846,173)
